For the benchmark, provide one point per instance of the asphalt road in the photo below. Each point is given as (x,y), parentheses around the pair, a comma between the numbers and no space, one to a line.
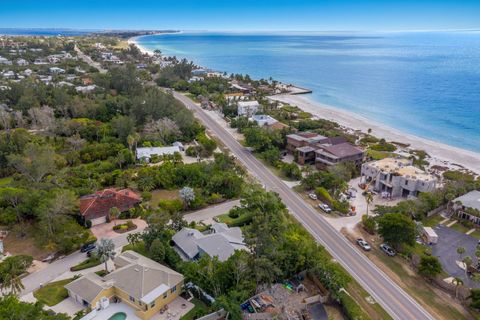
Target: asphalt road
(388,294)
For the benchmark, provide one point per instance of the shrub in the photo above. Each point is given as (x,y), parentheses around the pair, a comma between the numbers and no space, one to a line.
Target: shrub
(291,170)
(369,224)
(191,151)
(130,224)
(351,309)
(215,198)
(171,206)
(146,196)
(234,214)
(383,146)
(323,195)
(89,263)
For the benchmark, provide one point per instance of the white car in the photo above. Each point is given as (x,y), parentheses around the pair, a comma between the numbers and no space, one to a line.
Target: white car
(313,196)
(364,244)
(325,207)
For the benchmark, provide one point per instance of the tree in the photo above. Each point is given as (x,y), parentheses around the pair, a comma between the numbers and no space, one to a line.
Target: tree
(164,130)
(430,266)
(114,213)
(467,261)
(52,209)
(157,250)
(187,195)
(397,229)
(134,238)
(368,199)
(457,282)
(369,224)
(105,251)
(12,308)
(10,271)
(460,251)
(35,162)
(475,298)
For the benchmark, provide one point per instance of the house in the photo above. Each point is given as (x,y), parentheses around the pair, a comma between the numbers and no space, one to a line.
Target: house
(247,108)
(323,151)
(8,74)
(221,242)
(199,72)
(146,153)
(333,154)
(262,120)
(180,145)
(56,70)
(5,61)
(40,61)
(22,62)
(27,72)
(397,177)
(138,282)
(96,207)
(86,89)
(468,206)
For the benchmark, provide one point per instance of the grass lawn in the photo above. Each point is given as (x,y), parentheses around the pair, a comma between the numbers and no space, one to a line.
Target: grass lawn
(378,155)
(138,248)
(375,311)
(433,220)
(162,194)
(5,181)
(459,227)
(53,293)
(476,234)
(88,263)
(199,310)
(235,222)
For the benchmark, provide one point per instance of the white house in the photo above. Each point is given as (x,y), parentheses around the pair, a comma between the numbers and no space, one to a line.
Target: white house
(147,152)
(86,89)
(8,74)
(5,61)
(247,108)
(22,62)
(263,120)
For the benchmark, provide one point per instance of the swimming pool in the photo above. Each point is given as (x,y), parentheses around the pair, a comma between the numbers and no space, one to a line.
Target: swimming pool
(118,316)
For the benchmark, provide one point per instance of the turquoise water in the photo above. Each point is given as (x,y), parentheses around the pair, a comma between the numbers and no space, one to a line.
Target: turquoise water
(118,316)
(427,84)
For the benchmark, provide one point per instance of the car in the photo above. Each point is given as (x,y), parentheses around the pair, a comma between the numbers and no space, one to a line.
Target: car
(364,244)
(387,249)
(325,207)
(313,196)
(88,247)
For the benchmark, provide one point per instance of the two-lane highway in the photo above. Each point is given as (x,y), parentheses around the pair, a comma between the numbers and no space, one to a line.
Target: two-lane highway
(390,296)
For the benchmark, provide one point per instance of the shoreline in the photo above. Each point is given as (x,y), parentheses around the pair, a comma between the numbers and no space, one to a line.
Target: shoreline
(439,153)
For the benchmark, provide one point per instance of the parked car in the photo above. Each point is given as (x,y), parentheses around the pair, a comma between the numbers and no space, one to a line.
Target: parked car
(387,249)
(325,207)
(364,244)
(88,247)
(313,196)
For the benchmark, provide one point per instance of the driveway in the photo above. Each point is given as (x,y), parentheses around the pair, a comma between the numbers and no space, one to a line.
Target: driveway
(206,215)
(105,230)
(446,251)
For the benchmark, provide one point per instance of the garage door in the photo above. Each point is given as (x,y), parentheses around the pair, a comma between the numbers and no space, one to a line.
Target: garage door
(99,221)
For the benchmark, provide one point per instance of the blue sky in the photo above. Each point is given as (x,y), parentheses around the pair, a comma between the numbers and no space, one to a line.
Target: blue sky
(250,15)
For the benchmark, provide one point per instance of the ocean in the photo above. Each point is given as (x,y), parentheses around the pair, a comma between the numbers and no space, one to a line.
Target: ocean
(423,83)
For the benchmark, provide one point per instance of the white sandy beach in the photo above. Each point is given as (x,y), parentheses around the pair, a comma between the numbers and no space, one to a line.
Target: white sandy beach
(441,154)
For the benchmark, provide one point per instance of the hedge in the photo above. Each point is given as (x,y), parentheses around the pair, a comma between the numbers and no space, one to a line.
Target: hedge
(89,263)
(351,309)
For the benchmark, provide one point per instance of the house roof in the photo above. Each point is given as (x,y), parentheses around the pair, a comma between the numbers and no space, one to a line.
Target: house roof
(149,151)
(470,200)
(222,243)
(99,204)
(341,150)
(88,287)
(141,277)
(136,275)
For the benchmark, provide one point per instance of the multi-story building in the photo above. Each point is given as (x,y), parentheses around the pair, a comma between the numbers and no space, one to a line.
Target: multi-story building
(323,151)
(397,177)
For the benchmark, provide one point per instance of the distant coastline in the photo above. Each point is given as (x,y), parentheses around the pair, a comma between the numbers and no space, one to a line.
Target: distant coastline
(441,154)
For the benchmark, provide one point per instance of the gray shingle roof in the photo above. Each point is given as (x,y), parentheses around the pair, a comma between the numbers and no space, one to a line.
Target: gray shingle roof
(470,200)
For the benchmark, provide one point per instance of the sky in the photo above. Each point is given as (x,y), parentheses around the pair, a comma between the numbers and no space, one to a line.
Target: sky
(243,15)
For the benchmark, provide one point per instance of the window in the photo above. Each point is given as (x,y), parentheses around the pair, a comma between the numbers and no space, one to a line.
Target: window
(132,299)
(165,295)
(152,304)
(174,288)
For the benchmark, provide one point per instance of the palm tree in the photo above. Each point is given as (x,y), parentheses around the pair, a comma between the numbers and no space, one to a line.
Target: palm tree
(105,251)
(457,282)
(10,278)
(460,251)
(468,262)
(369,199)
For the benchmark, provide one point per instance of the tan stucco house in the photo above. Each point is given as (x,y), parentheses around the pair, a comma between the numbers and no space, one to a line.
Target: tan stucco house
(137,281)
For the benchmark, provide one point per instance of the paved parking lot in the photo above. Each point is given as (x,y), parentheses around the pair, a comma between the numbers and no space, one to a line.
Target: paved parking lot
(446,251)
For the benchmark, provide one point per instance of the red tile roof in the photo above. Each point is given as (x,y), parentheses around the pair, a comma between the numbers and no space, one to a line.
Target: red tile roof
(98,205)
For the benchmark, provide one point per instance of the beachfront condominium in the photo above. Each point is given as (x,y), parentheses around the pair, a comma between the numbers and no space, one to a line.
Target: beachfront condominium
(397,177)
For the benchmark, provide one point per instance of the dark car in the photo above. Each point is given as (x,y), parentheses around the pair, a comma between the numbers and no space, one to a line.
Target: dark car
(88,247)
(387,249)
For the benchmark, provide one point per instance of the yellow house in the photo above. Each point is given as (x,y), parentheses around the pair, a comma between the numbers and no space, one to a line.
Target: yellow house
(137,281)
